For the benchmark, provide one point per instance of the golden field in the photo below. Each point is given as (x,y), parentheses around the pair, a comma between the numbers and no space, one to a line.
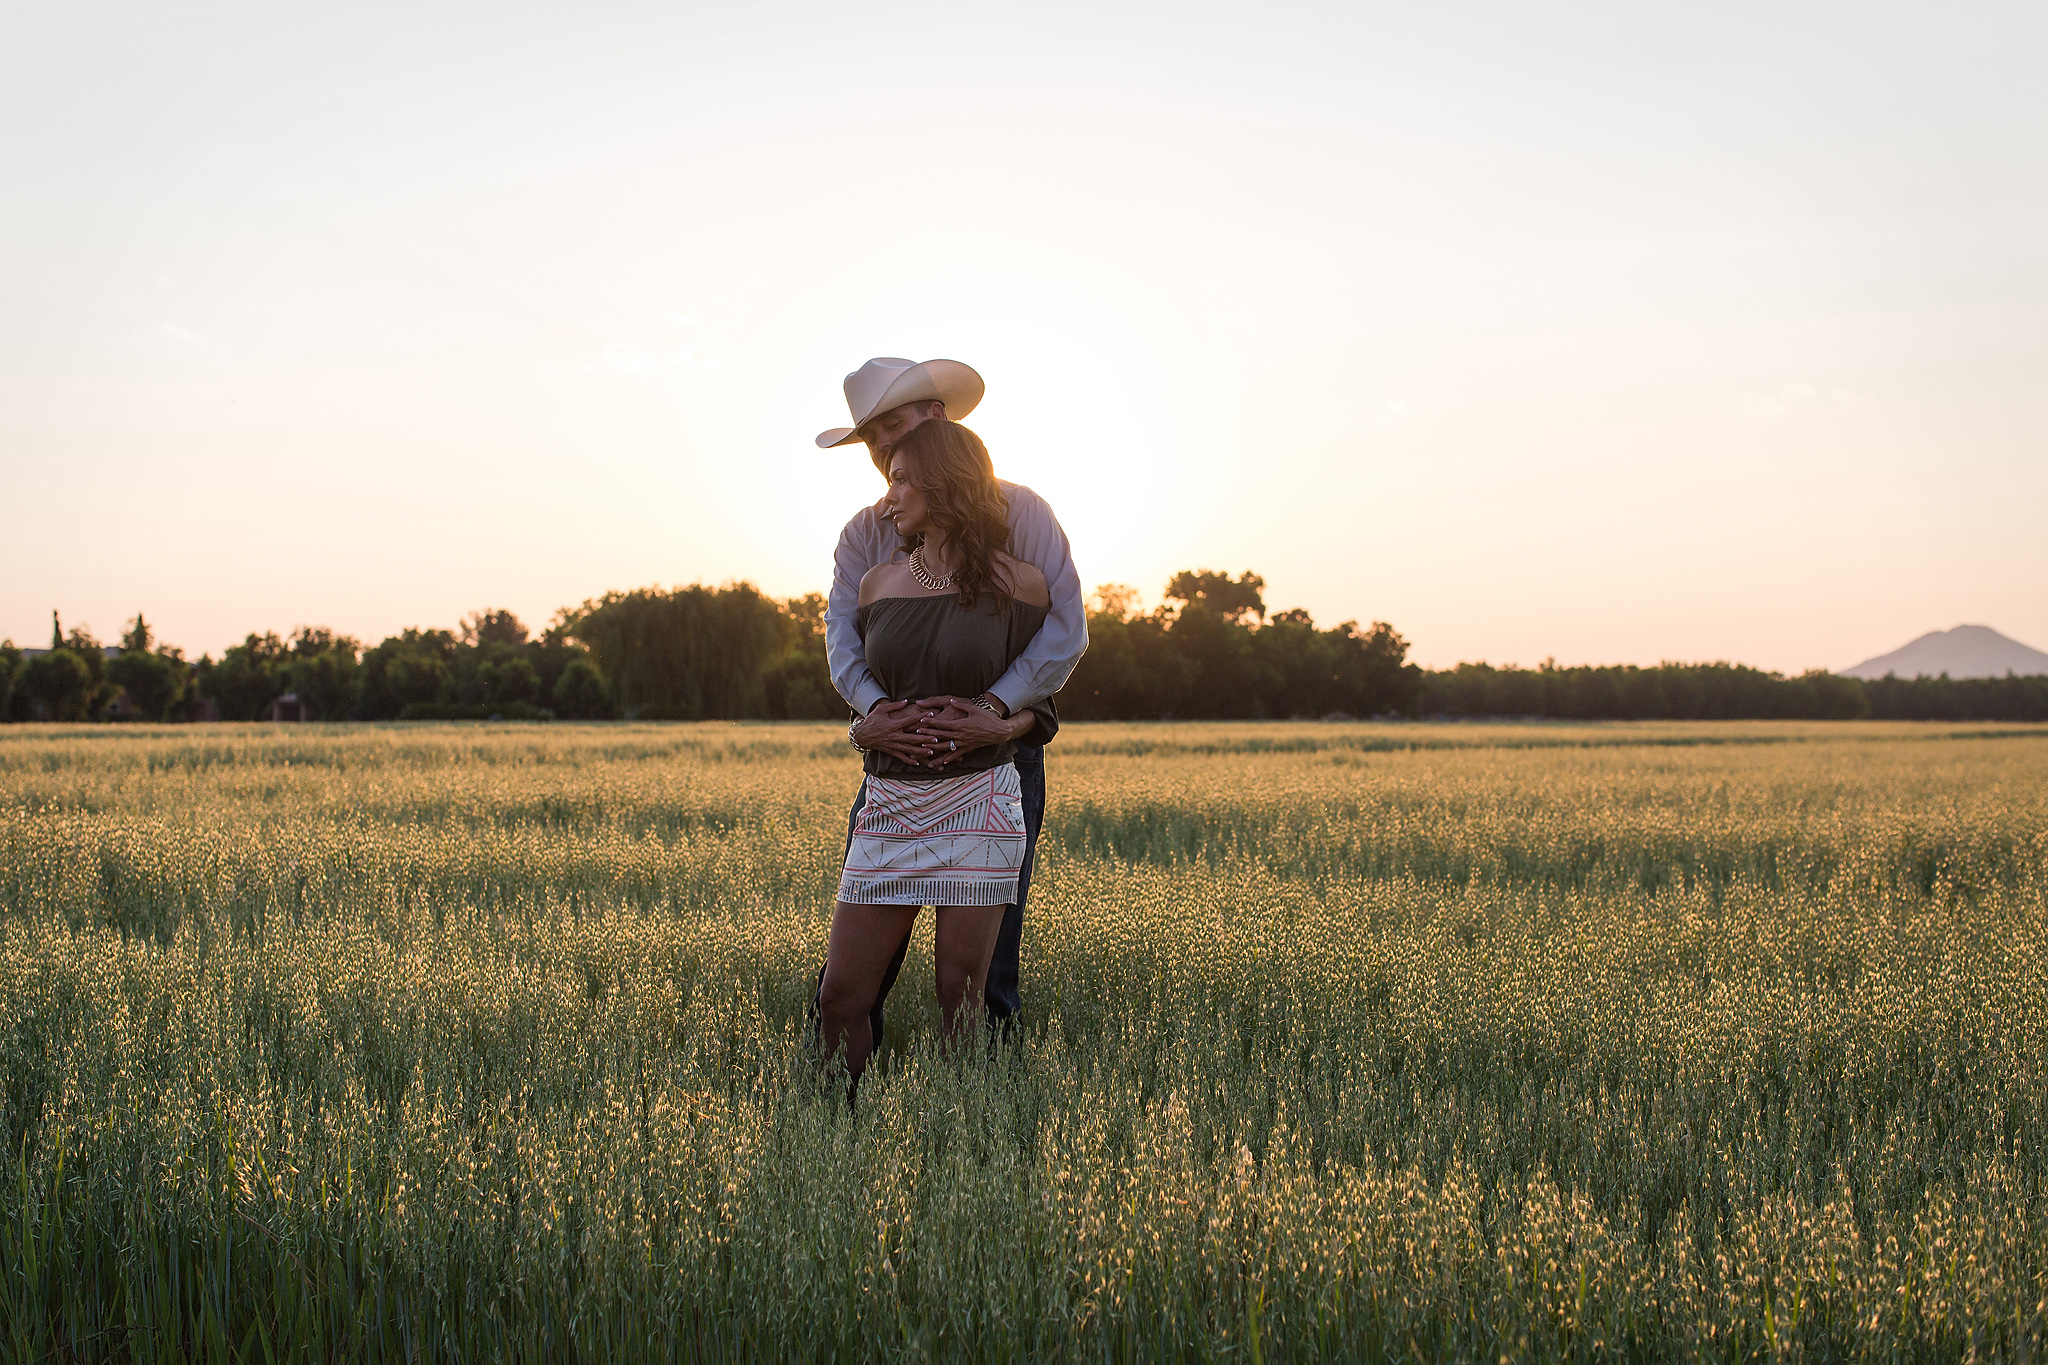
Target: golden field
(1341,1042)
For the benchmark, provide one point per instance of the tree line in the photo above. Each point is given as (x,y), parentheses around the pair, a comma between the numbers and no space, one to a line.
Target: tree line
(1210,650)
(693,653)
(1724,691)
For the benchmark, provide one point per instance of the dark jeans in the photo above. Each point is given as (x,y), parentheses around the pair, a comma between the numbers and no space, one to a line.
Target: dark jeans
(1004,1004)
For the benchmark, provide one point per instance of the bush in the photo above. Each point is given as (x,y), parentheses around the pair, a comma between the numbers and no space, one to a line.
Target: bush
(581,694)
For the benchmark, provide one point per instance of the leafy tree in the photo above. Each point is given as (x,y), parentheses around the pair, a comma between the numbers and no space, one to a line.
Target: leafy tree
(1217,593)
(688,654)
(553,652)
(493,626)
(798,678)
(93,655)
(10,679)
(498,668)
(797,686)
(322,671)
(1219,677)
(59,685)
(156,681)
(1168,676)
(1115,602)
(1212,652)
(1298,665)
(1830,696)
(1377,676)
(415,668)
(154,684)
(1109,683)
(507,680)
(580,692)
(1643,694)
(68,683)
(248,677)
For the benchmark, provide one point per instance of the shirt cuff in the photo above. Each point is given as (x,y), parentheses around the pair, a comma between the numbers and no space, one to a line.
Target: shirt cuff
(868,695)
(1010,698)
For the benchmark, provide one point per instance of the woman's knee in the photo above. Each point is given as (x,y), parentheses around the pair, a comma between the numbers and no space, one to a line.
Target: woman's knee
(966,941)
(841,996)
(955,980)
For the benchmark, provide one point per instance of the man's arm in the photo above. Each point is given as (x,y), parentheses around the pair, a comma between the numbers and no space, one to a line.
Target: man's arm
(1047,662)
(862,545)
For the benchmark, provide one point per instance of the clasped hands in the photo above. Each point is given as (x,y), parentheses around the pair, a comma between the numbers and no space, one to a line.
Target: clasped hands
(935,732)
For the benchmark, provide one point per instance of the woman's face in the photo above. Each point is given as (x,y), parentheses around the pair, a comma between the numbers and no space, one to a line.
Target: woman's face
(905,502)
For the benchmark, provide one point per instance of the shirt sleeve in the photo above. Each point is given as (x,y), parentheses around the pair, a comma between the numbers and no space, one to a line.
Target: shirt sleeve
(862,545)
(1047,662)
(1045,723)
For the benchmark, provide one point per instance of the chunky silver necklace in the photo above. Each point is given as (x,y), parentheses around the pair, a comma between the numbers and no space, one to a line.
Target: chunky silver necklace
(924,575)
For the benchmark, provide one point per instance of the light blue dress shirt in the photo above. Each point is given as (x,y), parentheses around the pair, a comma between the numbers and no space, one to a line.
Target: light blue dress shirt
(1035,537)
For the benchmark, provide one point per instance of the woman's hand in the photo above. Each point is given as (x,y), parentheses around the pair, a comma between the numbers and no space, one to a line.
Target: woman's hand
(956,727)
(891,729)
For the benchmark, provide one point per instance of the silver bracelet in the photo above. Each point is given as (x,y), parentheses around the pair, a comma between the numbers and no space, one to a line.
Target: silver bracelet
(987,706)
(849,735)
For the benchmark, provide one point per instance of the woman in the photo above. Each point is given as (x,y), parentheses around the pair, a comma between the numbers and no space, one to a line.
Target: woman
(943,620)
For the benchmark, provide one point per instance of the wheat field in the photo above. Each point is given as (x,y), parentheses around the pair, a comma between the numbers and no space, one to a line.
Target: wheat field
(1342,1042)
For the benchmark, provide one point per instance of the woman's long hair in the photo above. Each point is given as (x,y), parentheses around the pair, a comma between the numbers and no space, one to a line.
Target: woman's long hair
(950,466)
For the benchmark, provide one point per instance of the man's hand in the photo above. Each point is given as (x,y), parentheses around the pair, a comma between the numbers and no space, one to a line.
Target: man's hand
(956,727)
(891,729)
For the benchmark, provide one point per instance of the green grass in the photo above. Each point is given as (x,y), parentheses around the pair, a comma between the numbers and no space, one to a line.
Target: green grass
(1344,1042)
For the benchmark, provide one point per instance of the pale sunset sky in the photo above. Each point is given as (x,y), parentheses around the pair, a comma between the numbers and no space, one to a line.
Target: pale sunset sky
(1611,333)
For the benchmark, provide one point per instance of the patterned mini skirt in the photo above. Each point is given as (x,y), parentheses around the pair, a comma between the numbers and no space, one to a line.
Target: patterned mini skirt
(956,841)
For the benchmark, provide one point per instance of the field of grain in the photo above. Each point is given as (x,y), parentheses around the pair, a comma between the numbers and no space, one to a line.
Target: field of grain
(1342,1042)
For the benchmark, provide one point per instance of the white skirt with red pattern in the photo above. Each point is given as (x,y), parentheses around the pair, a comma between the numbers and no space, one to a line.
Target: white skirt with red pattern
(955,841)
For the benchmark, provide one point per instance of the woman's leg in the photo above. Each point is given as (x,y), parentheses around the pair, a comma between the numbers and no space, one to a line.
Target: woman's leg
(864,940)
(965,940)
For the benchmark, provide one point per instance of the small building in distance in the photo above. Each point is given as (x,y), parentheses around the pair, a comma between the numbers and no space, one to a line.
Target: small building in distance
(288,708)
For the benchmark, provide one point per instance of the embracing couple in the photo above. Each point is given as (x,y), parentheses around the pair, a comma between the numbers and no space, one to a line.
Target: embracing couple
(955,614)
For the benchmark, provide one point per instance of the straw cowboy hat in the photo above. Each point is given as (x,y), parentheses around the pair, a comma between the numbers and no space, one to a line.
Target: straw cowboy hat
(886,382)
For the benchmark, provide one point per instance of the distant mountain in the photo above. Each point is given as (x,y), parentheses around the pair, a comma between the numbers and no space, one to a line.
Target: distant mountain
(1965,652)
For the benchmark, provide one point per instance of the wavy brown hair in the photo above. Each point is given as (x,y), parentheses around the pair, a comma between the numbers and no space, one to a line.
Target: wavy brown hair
(949,465)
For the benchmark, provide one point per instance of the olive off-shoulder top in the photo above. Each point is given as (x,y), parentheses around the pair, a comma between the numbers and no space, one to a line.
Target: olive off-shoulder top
(933,646)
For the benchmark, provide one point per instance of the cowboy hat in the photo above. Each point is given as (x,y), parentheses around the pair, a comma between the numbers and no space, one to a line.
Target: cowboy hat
(886,382)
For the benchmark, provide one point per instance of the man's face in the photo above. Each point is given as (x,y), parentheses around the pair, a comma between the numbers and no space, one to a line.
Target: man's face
(883,432)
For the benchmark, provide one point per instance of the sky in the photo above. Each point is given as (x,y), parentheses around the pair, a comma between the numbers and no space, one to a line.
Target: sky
(1610,333)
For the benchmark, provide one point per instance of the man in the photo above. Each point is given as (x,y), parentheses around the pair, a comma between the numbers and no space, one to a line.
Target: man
(887,398)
